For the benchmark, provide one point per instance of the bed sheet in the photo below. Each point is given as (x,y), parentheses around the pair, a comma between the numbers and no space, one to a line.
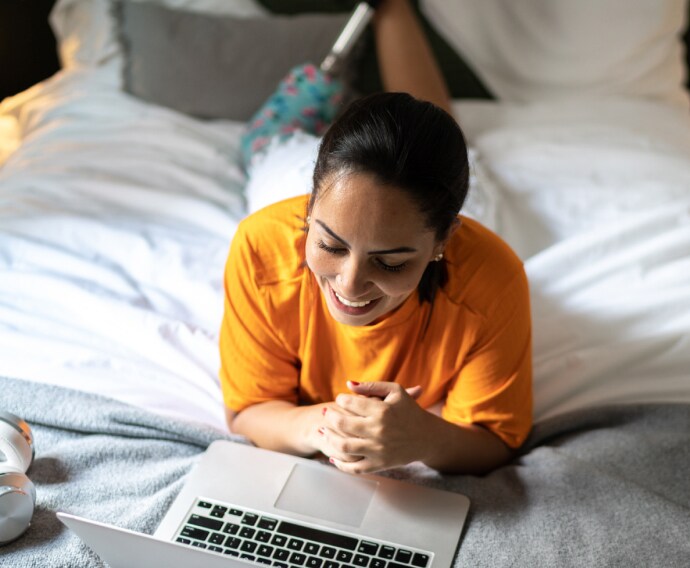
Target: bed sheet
(117,216)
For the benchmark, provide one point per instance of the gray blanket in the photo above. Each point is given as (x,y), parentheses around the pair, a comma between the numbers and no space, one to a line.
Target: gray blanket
(605,487)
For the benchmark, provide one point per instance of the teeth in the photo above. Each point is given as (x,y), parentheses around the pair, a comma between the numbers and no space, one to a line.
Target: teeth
(351,304)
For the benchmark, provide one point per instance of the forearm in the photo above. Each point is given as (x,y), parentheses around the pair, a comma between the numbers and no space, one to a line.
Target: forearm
(406,61)
(466,448)
(279,426)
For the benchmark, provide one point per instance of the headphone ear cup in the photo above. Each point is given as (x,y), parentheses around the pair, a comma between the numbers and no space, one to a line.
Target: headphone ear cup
(17,502)
(16,443)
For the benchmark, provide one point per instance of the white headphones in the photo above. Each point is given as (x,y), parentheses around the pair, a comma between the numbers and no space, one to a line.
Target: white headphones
(17,493)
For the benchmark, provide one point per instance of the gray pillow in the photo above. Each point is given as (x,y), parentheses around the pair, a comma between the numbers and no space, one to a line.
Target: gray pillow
(216,66)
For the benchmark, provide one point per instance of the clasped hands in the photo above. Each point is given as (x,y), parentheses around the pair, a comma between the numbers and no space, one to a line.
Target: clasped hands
(377,427)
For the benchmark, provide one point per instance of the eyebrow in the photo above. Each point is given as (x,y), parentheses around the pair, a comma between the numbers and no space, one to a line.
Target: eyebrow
(344,242)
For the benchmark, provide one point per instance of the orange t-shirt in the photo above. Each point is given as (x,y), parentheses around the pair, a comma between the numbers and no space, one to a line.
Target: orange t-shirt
(278,340)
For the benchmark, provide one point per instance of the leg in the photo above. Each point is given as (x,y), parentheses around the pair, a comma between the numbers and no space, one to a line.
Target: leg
(406,61)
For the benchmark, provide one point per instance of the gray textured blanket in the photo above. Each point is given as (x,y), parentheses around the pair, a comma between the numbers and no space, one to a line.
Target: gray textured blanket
(605,487)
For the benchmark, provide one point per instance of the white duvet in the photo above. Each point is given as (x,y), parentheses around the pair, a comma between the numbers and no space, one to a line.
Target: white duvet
(116,217)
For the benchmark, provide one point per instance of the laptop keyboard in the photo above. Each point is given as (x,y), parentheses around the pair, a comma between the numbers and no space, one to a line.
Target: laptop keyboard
(270,540)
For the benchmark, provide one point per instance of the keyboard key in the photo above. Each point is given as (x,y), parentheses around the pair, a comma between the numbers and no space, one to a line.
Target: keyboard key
(279,540)
(420,560)
(250,519)
(295,544)
(215,549)
(281,554)
(311,548)
(327,552)
(247,557)
(232,542)
(331,564)
(183,540)
(218,511)
(297,558)
(387,552)
(377,563)
(194,533)
(263,561)
(265,550)
(248,546)
(280,565)
(229,528)
(314,562)
(231,552)
(361,560)
(263,536)
(343,556)
(368,547)
(204,504)
(235,512)
(308,533)
(205,522)
(198,544)
(247,532)
(268,524)
(403,556)
(217,538)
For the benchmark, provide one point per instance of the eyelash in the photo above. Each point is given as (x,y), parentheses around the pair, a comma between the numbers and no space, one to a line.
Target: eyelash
(382,265)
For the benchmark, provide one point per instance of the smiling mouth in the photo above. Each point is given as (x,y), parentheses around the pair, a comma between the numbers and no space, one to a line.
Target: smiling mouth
(351,308)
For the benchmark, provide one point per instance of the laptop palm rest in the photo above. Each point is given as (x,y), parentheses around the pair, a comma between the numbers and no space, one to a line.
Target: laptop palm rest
(331,496)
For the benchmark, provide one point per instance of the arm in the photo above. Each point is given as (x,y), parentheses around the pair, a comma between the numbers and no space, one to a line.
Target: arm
(406,61)
(280,426)
(386,428)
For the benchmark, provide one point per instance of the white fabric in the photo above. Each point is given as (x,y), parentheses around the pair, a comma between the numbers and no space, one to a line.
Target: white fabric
(529,50)
(115,224)
(117,218)
(85,30)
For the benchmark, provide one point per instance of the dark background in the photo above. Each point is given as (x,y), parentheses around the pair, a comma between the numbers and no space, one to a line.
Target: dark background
(28,54)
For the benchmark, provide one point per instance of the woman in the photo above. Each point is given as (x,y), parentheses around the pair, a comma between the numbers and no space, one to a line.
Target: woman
(368,321)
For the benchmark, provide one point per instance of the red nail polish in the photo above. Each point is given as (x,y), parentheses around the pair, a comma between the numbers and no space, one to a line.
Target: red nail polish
(331,460)
(323,412)
(354,383)
(321,431)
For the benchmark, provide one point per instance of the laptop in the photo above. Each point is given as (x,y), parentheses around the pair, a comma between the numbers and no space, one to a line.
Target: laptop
(243,505)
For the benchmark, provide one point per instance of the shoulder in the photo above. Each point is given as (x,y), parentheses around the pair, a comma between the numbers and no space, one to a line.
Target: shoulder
(482,268)
(272,241)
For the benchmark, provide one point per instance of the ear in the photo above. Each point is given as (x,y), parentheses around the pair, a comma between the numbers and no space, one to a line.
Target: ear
(441,245)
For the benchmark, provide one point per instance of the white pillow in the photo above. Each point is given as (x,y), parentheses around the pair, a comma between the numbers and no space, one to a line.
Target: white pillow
(530,50)
(85,29)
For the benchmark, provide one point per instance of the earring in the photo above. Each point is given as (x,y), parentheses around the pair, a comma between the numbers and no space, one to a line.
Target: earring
(438,257)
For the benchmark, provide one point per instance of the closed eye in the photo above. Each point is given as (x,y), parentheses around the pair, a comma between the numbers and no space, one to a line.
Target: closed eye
(331,250)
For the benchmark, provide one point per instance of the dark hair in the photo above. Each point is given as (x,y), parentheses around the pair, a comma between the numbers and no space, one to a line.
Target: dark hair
(409,144)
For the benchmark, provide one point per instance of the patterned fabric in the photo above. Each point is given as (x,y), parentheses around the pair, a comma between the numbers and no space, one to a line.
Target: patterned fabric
(307,100)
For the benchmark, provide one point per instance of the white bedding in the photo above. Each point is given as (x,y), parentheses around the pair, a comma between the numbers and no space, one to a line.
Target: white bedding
(116,217)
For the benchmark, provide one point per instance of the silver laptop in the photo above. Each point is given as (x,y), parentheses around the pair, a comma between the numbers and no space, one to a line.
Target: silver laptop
(244,505)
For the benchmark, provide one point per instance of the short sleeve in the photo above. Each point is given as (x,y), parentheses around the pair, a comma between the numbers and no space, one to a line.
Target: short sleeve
(494,386)
(257,364)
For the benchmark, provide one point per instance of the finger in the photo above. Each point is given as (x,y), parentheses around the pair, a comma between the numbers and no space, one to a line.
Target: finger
(343,448)
(364,465)
(357,405)
(415,392)
(380,389)
(344,421)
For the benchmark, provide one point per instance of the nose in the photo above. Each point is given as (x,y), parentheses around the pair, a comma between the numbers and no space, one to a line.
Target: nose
(353,279)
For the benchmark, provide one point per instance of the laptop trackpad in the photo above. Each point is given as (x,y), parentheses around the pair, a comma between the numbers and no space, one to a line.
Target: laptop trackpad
(324,493)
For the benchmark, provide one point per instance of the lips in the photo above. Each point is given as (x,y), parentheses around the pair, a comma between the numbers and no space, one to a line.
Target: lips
(352,310)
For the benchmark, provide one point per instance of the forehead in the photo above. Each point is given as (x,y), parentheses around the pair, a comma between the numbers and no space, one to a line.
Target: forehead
(358,203)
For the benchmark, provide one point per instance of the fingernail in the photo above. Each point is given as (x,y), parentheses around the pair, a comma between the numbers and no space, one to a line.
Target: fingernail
(331,460)
(323,412)
(354,383)
(321,431)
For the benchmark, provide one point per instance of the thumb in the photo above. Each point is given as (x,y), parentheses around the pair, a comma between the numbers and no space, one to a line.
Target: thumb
(381,389)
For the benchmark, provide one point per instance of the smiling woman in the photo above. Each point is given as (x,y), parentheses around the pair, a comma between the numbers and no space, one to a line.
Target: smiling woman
(352,312)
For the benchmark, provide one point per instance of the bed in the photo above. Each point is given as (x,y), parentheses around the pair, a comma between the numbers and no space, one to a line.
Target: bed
(118,202)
